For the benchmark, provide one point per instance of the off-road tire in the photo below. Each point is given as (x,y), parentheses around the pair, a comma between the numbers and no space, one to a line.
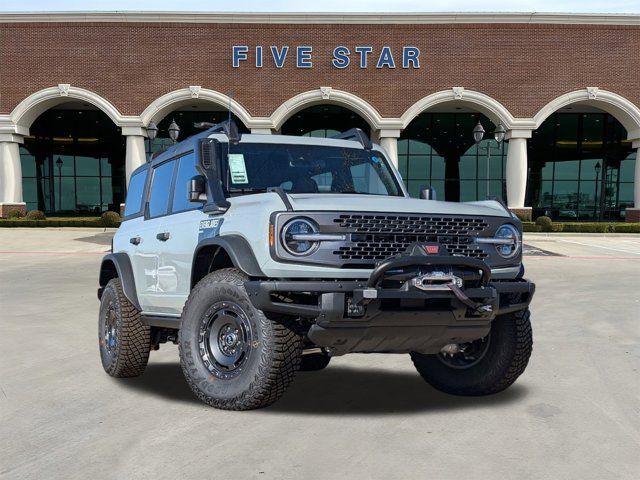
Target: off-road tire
(274,357)
(506,358)
(130,354)
(314,361)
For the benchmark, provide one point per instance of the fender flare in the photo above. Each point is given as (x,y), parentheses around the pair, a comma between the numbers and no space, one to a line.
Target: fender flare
(238,250)
(124,270)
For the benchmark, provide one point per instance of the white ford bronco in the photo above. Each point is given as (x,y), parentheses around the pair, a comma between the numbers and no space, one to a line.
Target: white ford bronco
(262,255)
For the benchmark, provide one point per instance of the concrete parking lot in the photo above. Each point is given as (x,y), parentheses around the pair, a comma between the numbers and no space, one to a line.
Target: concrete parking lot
(575,413)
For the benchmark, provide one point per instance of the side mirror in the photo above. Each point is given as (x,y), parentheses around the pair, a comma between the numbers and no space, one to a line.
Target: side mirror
(427,193)
(197,189)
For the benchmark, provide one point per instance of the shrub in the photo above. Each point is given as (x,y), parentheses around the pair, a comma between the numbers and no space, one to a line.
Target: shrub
(530,227)
(627,228)
(545,223)
(110,219)
(15,214)
(35,215)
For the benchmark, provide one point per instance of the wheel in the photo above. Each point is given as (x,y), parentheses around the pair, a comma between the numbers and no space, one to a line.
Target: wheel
(233,356)
(483,367)
(124,340)
(312,362)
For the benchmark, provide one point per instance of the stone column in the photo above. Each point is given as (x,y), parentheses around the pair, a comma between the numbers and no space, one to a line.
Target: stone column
(516,172)
(633,214)
(136,154)
(389,141)
(10,175)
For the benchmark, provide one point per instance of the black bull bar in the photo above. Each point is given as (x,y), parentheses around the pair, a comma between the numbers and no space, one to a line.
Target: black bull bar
(361,315)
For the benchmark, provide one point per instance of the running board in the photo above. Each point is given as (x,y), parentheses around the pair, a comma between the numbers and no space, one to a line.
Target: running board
(160,321)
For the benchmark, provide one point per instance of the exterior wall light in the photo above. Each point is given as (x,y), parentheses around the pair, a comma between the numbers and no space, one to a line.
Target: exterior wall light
(174,131)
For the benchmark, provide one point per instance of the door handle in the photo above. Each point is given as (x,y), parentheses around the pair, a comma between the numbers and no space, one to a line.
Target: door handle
(135,240)
(163,236)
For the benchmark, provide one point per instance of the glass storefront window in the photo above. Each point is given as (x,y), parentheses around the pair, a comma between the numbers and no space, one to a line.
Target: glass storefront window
(438,149)
(579,165)
(73,163)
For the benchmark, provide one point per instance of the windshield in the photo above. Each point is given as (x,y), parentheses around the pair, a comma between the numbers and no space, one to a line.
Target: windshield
(254,167)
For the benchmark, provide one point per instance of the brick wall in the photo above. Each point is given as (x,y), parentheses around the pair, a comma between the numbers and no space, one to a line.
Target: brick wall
(522,66)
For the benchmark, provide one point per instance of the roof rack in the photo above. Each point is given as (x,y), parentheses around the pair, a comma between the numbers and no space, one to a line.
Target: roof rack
(356,134)
(228,127)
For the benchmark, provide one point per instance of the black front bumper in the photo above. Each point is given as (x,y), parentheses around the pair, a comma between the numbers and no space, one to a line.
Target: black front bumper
(362,316)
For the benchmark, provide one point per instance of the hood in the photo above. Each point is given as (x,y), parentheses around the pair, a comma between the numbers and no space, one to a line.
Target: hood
(377,203)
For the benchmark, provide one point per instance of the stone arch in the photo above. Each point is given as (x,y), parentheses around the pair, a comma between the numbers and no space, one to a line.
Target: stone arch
(171,101)
(29,109)
(458,96)
(622,109)
(326,95)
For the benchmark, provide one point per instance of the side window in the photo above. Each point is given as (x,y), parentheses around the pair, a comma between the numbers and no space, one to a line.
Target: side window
(161,189)
(133,204)
(186,170)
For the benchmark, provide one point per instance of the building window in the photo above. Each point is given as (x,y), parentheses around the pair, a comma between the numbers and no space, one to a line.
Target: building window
(437,149)
(580,168)
(73,162)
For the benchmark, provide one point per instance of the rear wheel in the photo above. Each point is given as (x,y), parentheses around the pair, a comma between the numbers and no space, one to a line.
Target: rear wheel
(485,366)
(232,355)
(124,340)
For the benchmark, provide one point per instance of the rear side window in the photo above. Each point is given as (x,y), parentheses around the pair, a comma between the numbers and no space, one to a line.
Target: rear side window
(133,205)
(161,189)
(186,170)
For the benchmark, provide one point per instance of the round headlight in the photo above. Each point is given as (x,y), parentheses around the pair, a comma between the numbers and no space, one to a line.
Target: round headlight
(510,241)
(291,233)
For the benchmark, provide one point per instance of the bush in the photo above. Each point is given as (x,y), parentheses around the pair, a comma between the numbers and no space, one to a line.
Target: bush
(35,215)
(545,224)
(110,219)
(627,228)
(15,214)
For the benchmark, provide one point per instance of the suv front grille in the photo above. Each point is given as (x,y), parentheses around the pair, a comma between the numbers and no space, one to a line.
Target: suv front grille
(377,237)
(411,224)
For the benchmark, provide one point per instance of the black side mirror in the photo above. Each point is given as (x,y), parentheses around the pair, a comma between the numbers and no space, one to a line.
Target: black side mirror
(427,193)
(197,189)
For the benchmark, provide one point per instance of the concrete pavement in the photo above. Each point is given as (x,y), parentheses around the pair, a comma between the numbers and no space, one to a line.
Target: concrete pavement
(573,414)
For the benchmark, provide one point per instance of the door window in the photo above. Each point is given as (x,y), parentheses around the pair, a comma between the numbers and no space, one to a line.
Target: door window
(133,204)
(161,189)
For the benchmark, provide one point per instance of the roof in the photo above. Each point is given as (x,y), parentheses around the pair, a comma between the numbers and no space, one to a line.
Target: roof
(416,18)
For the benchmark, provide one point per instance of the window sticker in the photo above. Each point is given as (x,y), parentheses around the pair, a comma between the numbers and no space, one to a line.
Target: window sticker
(238,168)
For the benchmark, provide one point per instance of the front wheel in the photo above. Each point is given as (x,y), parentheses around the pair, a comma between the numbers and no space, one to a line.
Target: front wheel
(483,367)
(233,356)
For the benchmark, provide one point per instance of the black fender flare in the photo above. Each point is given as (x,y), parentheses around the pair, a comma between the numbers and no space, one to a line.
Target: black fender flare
(122,264)
(238,250)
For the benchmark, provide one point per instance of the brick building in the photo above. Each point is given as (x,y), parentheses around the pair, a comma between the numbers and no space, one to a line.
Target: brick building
(78,91)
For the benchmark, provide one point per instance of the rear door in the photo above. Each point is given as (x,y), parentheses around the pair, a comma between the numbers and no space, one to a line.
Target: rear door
(153,237)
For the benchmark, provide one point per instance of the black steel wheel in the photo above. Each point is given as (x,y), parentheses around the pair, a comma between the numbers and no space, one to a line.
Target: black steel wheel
(233,356)
(225,339)
(467,354)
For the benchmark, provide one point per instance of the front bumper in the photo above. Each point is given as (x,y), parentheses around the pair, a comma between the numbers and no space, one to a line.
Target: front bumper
(365,316)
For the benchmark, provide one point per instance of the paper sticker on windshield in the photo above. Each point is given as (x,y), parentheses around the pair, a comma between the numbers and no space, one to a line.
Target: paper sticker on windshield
(237,168)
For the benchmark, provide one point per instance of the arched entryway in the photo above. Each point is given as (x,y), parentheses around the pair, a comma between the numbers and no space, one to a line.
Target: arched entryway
(581,166)
(324,120)
(185,117)
(73,161)
(437,148)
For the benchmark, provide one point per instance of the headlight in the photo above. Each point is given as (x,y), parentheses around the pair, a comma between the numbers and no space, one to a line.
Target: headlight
(294,235)
(509,241)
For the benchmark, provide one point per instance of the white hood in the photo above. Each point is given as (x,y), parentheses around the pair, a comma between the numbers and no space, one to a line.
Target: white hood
(377,203)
